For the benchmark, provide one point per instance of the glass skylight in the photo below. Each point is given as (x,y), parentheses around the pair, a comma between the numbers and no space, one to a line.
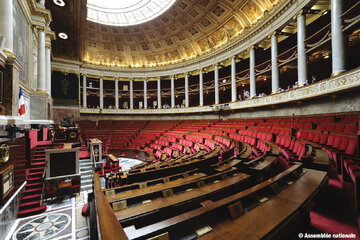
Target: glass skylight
(125,12)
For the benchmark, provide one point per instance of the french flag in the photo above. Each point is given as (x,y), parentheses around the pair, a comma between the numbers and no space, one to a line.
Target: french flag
(21,102)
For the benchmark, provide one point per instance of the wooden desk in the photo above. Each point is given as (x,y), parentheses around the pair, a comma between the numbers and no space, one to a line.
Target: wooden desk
(230,164)
(281,211)
(153,189)
(68,145)
(112,160)
(198,194)
(64,184)
(264,164)
(202,213)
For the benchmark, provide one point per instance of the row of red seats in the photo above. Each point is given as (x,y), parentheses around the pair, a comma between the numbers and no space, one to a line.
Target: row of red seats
(203,135)
(162,142)
(194,138)
(186,142)
(170,139)
(338,127)
(168,151)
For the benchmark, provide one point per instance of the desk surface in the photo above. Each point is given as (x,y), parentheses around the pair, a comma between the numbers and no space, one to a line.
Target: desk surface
(95,141)
(113,158)
(155,188)
(159,203)
(64,184)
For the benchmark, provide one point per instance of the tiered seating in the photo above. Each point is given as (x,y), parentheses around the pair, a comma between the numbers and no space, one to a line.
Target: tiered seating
(265,147)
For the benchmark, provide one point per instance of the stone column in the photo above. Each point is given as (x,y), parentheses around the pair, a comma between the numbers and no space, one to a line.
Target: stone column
(101,93)
(48,69)
(216,79)
(41,64)
(274,64)
(186,90)
(252,72)
(201,88)
(116,93)
(159,92)
(145,93)
(301,48)
(84,91)
(172,92)
(131,93)
(233,79)
(337,38)
(6,23)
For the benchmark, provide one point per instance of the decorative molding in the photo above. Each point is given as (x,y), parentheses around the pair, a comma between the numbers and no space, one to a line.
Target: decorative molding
(332,85)
(276,18)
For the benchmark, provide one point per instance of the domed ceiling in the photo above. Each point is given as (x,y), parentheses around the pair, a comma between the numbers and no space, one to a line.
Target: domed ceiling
(189,28)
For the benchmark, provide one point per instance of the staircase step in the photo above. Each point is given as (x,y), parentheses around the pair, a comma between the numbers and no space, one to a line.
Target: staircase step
(32,211)
(32,190)
(36,164)
(37,169)
(32,204)
(31,197)
(36,161)
(34,185)
(34,179)
(87,181)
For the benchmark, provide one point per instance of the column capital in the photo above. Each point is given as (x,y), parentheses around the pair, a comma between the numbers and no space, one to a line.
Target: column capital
(50,34)
(275,33)
(40,28)
(253,47)
(302,12)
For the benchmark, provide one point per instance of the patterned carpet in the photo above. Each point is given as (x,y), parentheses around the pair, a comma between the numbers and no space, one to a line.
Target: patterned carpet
(63,220)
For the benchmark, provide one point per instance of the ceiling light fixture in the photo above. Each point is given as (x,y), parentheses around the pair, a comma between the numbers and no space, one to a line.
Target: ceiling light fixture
(60,3)
(63,36)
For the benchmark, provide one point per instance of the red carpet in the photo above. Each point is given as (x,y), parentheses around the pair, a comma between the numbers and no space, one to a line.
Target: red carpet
(84,154)
(334,210)
(31,201)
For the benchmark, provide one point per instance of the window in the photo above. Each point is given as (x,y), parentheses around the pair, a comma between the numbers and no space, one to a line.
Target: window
(126,12)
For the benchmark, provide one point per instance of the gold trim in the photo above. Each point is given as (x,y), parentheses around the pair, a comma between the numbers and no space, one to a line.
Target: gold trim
(337,73)
(4,153)
(41,91)
(9,53)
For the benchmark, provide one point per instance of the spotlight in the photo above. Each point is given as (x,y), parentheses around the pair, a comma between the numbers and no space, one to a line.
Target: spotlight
(63,36)
(60,3)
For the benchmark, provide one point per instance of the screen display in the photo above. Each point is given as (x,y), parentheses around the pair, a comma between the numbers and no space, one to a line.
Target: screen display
(62,164)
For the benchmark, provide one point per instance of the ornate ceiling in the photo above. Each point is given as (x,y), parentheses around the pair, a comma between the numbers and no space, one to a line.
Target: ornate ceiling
(190,28)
